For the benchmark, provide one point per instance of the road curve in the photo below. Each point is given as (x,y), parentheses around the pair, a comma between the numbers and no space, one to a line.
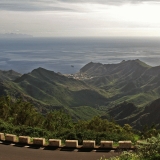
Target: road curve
(9,152)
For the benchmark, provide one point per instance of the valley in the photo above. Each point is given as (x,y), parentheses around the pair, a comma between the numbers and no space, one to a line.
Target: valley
(128,92)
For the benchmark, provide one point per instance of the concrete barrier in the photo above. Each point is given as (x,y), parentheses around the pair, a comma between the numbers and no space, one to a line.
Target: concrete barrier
(24,139)
(55,142)
(71,143)
(39,141)
(2,137)
(88,144)
(11,138)
(125,144)
(106,144)
(68,143)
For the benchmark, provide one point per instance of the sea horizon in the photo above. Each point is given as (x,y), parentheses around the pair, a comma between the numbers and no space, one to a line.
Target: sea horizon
(67,55)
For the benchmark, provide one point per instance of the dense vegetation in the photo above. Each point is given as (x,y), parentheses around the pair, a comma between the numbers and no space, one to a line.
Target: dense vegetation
(146,150)
(21,118)
(52,103)
(48,91)
(97,90)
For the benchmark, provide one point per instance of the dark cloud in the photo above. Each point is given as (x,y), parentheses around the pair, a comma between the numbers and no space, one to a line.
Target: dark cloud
(48,5)
(28,5)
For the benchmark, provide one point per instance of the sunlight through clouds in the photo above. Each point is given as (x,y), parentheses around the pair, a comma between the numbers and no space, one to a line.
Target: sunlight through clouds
(143,14)
(80,18)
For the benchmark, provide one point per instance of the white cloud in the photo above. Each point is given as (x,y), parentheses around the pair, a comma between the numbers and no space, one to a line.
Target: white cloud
(80,17)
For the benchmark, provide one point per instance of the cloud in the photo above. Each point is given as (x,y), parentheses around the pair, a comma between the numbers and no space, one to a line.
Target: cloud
(80,17)
(109,2)
(58,5)
(27,5)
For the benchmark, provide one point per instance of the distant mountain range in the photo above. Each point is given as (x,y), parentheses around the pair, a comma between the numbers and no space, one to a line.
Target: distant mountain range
(15,35)
(128,91)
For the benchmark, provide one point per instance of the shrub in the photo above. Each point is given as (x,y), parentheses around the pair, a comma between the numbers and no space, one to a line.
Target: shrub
(150,149)
(124,156)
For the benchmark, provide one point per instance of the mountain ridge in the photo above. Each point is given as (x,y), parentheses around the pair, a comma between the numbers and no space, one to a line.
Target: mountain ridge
(9,75)
(99,69)
(102,88)
(53,90)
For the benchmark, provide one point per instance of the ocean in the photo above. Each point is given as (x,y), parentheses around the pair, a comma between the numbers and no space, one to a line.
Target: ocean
(68,55)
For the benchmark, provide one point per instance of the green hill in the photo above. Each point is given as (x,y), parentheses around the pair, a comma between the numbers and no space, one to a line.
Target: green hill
(98,89)
(48,90)
(132,81)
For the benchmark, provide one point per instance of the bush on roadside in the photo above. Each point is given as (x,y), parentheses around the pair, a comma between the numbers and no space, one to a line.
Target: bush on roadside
(147,150)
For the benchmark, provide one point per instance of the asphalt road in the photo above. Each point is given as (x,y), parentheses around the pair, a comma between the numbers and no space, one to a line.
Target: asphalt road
(9,152)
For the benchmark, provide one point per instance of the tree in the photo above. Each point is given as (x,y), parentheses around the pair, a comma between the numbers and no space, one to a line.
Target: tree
(57,120)
(5,107)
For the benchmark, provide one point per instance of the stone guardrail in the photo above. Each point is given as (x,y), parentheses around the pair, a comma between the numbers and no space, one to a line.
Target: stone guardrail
(68,143)
(55,142)
(88,144)
(39,141)
(2,137)
(125,144)
(71,143)
(10,138)
(106,144)
(24,139)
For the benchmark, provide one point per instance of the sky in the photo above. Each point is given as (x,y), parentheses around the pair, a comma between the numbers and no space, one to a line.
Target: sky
(80,18)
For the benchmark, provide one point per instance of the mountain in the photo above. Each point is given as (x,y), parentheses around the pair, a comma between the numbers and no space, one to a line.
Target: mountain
(131,68)
(150,115)
(138,118)
(9,75)
(48,90)
(122,111)
(132,81)
(131,86)
(15,35)
(57,89)
(124,91)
